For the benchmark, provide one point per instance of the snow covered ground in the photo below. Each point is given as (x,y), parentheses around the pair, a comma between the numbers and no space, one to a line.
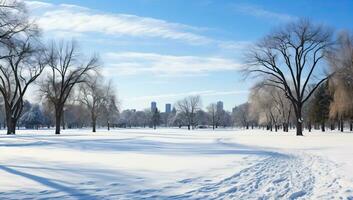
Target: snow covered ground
(175,164)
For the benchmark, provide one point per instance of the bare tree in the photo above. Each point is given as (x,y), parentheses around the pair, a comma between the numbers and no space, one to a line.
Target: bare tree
(13,20)
(241,115)
(67,69)
(94,94)
(288,59)
(22,61)
(212,110)
(111,109)
(188,106)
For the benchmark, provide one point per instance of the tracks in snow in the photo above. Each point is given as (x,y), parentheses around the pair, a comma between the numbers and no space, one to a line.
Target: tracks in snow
(300,176)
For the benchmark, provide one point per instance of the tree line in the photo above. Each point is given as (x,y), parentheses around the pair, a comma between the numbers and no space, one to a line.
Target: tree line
(186,112)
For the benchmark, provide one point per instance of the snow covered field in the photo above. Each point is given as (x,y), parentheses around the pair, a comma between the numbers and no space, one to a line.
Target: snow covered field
(175,164)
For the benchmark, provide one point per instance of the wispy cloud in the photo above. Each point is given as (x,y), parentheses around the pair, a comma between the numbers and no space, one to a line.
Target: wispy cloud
(184,94)
(77,19)
(257,11)
(68,20)
(130,63)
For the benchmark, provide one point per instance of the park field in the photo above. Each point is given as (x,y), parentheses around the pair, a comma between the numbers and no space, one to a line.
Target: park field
(175,164)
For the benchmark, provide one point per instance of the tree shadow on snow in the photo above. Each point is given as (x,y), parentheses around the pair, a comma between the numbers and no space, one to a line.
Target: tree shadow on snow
(48,183)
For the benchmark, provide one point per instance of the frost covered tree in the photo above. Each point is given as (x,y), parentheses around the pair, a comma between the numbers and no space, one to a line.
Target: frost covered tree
(33,118)
(271,102)
(290,58)
(67,69)
(341,84)
(188,107)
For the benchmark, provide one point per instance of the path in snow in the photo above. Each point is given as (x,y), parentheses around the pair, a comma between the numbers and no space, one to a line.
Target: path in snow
(278,177)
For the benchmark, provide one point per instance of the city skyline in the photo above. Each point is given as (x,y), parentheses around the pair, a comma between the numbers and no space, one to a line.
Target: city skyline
(168,107)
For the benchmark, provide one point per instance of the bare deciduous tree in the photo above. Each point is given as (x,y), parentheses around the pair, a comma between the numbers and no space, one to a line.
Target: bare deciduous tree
(212,110)
(111,110)
(67,69)
(188,106)
(22,59)
(241,115)
(288,59)
(13,20)
(94,94)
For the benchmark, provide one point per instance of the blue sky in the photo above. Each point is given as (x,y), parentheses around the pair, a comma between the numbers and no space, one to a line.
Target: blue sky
(164,50)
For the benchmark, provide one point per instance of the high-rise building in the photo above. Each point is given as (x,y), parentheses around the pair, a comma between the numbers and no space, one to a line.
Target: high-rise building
(219,105)
(153,106)
(168,108)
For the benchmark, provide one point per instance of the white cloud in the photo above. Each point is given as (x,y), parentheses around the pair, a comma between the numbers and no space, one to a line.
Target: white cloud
(38,4)
(257,11)
(74,21)
(128,63)
(73,18)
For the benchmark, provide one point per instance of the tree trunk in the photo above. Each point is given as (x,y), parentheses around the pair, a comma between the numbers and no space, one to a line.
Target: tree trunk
(58,115)
(94,121)
(351,126)
(108,125)
(299,128)
(11,126)
(323,126)
(57,125)
(341,124)
(94,125)
(299,121)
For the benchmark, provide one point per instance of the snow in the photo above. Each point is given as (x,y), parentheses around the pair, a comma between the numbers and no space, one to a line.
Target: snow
(175,164)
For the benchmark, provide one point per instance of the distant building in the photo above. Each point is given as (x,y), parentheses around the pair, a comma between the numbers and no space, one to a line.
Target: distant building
(168,108)
(219,105)
(153,106)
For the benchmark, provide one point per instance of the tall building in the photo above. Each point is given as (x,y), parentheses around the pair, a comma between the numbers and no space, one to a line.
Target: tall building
(153,106)
(219,105)
(168,108)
